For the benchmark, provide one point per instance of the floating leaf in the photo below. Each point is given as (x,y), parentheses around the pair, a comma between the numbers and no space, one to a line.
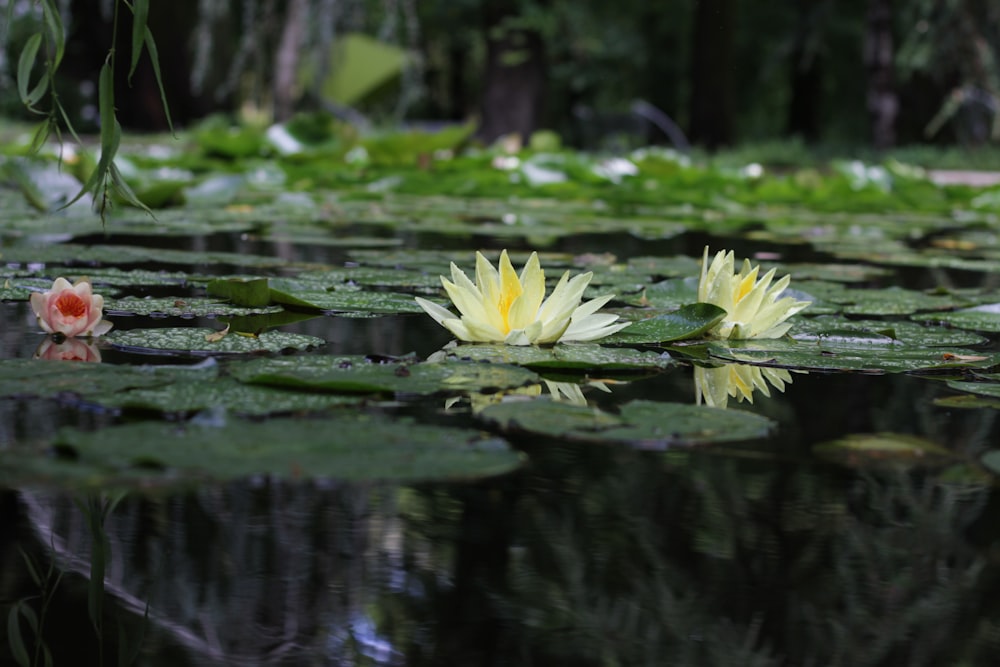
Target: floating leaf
(690,321)
(860,449)
(359,375)
(182,307)
(250,292)
(194,395)
(49,379)
(192,341)
(871,353)
(642,424)
(980,318)
(830,328)
(347,446)
(563,356)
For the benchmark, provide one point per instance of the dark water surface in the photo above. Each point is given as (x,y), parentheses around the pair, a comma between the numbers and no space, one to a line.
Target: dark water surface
(757,554)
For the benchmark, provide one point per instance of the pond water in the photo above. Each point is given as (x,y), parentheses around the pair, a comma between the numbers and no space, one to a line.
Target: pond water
(781,549)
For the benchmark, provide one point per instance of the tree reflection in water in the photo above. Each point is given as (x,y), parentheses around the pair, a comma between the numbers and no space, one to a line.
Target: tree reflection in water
(588,556)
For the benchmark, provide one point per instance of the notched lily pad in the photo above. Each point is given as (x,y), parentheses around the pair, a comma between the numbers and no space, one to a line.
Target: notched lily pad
(984,318)
(202,342)
(40,378)
(690,321)
(576,357)
(864,449)
(641,424)
(181,307)
(237,397)
(830,328)
(873,354)
(348,446)
(355,374)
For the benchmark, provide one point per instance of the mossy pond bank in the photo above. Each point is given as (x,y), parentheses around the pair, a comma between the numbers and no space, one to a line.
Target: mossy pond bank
(333,482)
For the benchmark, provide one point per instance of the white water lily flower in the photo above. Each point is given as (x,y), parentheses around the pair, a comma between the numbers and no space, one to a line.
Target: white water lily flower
(715,386)
(752,307)
(502,307)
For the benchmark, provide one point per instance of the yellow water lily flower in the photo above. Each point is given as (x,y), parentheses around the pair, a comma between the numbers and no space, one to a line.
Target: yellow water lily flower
(502,307)
(752,306)
(715,386)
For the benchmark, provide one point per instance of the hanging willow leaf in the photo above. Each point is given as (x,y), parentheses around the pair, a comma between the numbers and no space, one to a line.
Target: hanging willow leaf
(140,13)
(24,66)
(154,58)
(53,21)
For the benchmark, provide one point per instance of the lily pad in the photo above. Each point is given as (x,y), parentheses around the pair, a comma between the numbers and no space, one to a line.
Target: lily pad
(181,307)
(861,449)
(236,397)
(641,424)
(355,374)
(346,299)
(347,446)
(199,341)
(980,318)
(690,321)
(40,378)
(829,328)
(578,357)
(865,353)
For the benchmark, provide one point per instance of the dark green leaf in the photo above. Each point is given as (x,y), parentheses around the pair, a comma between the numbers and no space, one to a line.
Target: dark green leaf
(243,292)
(642,424)
(140,13)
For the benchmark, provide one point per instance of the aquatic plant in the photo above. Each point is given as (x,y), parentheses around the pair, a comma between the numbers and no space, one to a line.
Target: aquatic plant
(502,307)
(70,310)
(752,307)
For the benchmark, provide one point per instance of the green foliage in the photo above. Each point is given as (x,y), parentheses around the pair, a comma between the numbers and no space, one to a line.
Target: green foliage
(105,183)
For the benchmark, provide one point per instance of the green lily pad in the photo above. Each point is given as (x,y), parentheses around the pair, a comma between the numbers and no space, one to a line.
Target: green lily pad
(642,424)
(41,378)
(967,402)
(347,446)
(181,307)
(310,295)
(690,321)
(75,254)
(861,449)
(980,318)
(359,375)
(199,341)
(577,357)
(236,397)
(827,328)
(667,295)
(250,292)
(857,352)
(990,389)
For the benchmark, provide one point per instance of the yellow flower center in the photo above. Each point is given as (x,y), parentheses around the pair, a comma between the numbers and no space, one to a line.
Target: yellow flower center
(745,286)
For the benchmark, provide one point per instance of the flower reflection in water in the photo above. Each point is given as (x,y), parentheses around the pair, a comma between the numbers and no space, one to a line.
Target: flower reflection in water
(714,386)
(567,392)
(67,349)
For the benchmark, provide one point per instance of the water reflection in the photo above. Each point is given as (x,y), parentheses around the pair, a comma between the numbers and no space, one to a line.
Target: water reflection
(569,392)
(715,385)
(68,349)
(589,556)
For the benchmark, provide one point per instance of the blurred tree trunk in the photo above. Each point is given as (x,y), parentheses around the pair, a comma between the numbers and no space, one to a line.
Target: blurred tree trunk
(883,104)
(712,107)
(806,74)
(515,75)
(287,59)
